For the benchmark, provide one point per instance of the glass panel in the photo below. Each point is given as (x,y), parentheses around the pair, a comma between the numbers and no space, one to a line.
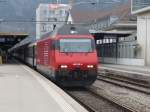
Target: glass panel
(76,45)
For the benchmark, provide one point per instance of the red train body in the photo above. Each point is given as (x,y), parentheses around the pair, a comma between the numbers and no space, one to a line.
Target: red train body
(68,56)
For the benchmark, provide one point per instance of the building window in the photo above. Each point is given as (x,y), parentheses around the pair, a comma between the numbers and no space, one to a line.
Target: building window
(45,12)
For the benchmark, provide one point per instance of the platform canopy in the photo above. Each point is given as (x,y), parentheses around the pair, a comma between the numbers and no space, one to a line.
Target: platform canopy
(9,39)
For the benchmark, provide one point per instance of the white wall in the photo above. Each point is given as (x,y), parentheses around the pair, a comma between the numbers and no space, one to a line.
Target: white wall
(148,41)
(123,61)
(37,25)
(143,36)
(50,12)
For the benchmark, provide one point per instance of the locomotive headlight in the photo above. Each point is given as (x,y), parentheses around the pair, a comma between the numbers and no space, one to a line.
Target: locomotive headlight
(64,66)
(90,66)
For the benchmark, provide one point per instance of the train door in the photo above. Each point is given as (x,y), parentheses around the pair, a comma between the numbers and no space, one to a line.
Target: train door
(40,53)
(53,52)
(34,55)
(46,53)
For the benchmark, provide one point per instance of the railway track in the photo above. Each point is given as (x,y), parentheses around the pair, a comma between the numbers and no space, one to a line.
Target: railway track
(95,102)
(125,82)
(117,81)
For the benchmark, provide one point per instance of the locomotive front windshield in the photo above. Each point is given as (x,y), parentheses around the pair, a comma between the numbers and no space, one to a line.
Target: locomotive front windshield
(76,45)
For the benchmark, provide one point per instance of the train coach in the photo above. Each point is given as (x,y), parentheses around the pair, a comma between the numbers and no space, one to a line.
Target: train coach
(67,56)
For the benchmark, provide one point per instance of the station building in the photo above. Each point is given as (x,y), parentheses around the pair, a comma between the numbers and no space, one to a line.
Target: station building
(141,8)
(8,40)
(49,16)
(118,44)
(116,36)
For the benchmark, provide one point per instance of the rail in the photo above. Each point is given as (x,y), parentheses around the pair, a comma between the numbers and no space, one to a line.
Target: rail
(94,102)
(119,80)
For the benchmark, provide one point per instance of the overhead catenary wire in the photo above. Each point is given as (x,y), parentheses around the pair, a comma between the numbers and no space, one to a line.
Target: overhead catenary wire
(37,22)
(34,21)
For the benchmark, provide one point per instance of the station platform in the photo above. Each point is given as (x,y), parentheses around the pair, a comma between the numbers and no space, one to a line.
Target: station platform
(135,72)
(24,90)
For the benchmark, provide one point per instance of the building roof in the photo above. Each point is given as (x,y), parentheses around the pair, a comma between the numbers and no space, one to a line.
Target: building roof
(114,32)
(123,25)
(9,39)
(22,43)
(143,10)
(68,29)
(13,34)
(83,16)
(140,6)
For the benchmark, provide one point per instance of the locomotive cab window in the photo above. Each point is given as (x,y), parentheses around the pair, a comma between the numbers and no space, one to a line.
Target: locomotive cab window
(76,45)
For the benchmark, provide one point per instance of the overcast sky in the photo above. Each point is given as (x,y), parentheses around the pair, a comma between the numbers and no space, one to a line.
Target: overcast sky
(25,9)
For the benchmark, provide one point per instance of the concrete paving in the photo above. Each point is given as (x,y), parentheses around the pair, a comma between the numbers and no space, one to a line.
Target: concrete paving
(24,90)
(134,72)
(138,69)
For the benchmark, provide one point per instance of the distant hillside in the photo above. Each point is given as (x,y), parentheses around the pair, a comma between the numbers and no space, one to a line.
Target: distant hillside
(19,10)
(122,11)
(25,10)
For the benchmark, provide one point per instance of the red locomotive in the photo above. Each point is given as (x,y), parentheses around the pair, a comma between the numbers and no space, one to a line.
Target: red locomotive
(67,56)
